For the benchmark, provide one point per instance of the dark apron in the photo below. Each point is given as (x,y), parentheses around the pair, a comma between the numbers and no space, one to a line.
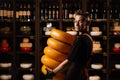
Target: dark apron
(75,72)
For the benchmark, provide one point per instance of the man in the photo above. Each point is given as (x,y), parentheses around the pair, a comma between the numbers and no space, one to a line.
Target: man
(81,52)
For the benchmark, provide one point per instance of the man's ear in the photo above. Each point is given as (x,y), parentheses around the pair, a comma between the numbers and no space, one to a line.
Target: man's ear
(74,15)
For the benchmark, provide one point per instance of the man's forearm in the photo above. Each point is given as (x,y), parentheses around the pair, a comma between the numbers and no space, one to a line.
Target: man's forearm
(61,66)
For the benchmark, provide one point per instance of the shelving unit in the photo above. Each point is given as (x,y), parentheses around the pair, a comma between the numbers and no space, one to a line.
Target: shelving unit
(18,35)
(26,21)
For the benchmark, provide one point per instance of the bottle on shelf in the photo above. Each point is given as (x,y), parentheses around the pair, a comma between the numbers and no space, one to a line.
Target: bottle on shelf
(66,11)
(28,12)
(104,12)
(5,11)
(20,12)
(111,12)
(17,10)
(1,10)
(42,12)
(57,11)
(71,11)
(24,13)
(92,11)
(53,11)
(116,14)
(114,11)
(10,11)
(46,11)
(50,11)
(96,11)
(62,11)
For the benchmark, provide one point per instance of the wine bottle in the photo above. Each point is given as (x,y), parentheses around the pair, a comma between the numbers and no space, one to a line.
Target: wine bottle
(57,11)
(50,12)
(24,13)
(1,10)
(104,12)
(100,10)
(21,12)
(10,11)
(111,12)
(28,12)
(42,12)
(66,15)
(46,11)
(116,14)
(92,11)
(71,11)
(96,11)
(5,11)
(53,11)
(17,10)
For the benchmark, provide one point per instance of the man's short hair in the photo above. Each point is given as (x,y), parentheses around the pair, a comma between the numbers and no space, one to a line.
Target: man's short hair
(80,12)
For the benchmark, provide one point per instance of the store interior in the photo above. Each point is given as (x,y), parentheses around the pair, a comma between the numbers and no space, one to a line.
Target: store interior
(25,27)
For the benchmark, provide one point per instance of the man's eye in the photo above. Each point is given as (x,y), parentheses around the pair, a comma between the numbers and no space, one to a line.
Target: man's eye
(76,21)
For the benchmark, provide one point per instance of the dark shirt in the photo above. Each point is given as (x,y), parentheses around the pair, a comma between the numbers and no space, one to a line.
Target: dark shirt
(81,50)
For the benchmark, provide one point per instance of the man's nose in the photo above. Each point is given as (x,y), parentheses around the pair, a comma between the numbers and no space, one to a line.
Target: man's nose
(77,24)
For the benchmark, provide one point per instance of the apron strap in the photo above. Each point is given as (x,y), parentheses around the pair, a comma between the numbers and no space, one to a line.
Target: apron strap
(90,39)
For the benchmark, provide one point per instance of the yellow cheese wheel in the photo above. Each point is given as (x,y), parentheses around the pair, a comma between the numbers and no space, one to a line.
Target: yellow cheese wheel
(26,45)
(25,40)
(58,76)
(47,61)
(59,46)
(62,36)
(54,54)
(43,69)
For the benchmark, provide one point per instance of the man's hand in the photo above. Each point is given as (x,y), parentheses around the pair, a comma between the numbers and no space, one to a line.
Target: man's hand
(49,74)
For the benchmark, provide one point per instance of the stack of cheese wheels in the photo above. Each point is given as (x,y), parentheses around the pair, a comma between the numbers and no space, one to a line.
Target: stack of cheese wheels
(57,49)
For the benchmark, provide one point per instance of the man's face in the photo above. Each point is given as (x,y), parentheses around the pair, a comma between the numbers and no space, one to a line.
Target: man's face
(78,22)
